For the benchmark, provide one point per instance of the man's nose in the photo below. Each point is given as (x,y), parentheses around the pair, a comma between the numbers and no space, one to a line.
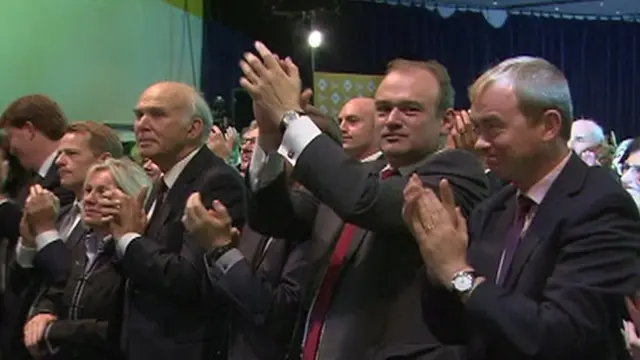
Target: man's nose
(394,118)
(481,144)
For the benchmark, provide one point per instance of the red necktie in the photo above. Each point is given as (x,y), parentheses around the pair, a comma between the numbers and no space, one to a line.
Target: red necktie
(323,300)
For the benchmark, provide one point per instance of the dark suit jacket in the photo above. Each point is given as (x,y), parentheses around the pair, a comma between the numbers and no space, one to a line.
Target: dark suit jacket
(265,287)
(168,314)
(51,264)
(89,330)
(563,297)
(376,312)
(50,182)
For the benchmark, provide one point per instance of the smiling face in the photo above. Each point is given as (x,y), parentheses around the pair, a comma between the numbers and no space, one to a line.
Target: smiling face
(406,103)
(511,142)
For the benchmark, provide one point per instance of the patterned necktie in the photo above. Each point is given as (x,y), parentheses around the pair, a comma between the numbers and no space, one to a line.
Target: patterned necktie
(514,234)
(325,293)
(159,196)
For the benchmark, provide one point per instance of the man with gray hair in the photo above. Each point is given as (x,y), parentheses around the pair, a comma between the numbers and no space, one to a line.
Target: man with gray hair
(165,314)
(552,255)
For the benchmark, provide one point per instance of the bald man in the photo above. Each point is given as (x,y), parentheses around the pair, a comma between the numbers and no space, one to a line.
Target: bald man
(360,131)
(166,315)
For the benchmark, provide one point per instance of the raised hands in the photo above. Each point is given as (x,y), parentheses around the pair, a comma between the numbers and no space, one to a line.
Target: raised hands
(211,228)
(274,86)
(439,228)
(124,213)
(41,210)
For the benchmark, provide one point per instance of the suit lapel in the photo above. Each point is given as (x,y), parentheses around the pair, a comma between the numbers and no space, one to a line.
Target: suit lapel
(177,195)
(568,182)
(492,229)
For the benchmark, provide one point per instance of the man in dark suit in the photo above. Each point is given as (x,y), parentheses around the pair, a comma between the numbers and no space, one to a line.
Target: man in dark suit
(551,256)
(264,277)
(34,126)
(167,315)
(366,300)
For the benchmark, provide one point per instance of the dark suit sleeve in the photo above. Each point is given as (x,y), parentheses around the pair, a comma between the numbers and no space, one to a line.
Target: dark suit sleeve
(361,198)
(251,292)
(54,261)
(83,332)
(277,211)
(181,274)
(597,265)
(10,216)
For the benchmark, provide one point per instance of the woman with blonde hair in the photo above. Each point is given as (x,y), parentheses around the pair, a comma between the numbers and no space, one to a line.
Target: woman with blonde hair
(81,314)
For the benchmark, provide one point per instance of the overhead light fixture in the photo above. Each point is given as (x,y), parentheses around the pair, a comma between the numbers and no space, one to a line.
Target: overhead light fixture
(315,39)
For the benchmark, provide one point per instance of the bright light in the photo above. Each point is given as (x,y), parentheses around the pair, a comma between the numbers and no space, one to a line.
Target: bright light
(315,39)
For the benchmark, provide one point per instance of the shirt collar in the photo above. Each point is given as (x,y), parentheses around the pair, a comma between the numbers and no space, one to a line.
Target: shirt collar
(46,165)
(372,157)
(172,175)
(539,190)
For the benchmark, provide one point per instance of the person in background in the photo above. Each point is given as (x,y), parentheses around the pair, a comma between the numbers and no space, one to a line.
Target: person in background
(249,138)
(152,170)
(34,125)
(224,144)
(9,212)
(360,130)
(587,140)
(631,170)
(620,155)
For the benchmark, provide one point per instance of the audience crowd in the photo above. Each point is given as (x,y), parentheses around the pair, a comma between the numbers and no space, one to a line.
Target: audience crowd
(406,229)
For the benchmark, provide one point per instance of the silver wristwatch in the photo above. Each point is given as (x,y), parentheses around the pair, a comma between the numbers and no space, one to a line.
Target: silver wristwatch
(463,281)
(287,118)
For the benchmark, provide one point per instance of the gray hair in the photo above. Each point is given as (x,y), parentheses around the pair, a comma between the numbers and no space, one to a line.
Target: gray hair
(129,177)
(200,109)
(538,84)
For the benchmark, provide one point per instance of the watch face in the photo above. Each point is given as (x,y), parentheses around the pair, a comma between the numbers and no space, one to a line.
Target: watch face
(463,282)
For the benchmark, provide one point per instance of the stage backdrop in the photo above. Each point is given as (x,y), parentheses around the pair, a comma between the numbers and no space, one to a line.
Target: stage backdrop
(332,90)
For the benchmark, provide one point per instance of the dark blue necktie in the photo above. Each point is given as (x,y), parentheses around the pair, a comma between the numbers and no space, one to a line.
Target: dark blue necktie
(514,234)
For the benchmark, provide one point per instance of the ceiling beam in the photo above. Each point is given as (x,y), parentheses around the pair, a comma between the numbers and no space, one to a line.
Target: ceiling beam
(536,4)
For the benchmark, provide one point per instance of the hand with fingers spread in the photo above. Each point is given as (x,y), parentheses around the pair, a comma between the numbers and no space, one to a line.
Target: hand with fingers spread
(439,227)
(34,331)
(41,209)
(274,85)
(219,144)
(462,132)
(211,228)
(124,213)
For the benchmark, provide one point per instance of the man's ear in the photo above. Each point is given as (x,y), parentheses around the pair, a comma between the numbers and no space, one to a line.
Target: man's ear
(448,121)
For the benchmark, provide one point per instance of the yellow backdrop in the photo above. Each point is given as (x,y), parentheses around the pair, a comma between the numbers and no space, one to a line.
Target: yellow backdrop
(332,90)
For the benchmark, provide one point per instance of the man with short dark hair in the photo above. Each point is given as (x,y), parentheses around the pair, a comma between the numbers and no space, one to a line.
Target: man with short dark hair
(365,301)
(34,125)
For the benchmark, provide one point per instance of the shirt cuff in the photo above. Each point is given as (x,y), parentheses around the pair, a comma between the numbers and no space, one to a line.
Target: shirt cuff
(123,243)
(297,137)
(227,260)
(46,238)
(264,168)
(52,349)
(25,255)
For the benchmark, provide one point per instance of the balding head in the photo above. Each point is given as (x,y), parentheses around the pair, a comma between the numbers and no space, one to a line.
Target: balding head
(172,120)
(360,133)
